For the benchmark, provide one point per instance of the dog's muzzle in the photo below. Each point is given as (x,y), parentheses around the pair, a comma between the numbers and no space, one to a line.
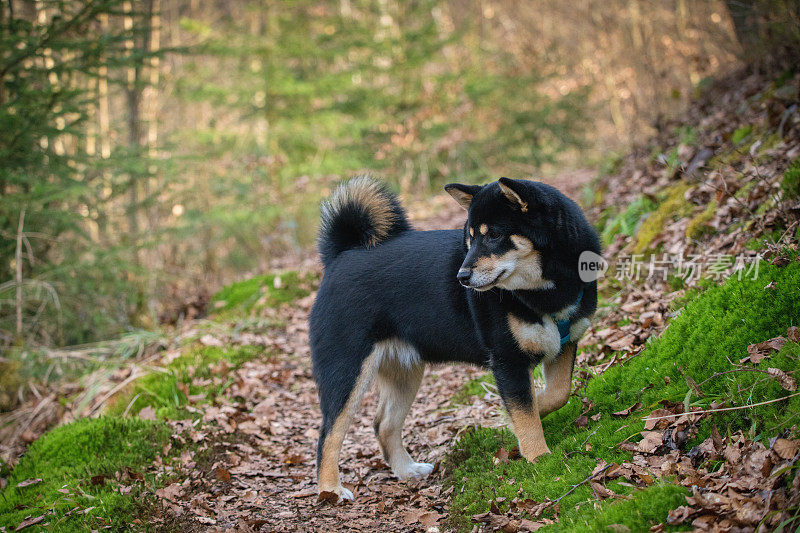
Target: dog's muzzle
(463,276)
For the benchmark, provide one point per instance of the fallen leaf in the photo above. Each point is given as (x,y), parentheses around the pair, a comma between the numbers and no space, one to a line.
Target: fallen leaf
(147,413)
(303,493)
(170,492)
(500,456)
(786,449)
(328,496)
(628,411)
(411,516)
(223,475)
(430,518)
(29,482)
(786,381)
(650,442)
(30,521)
(210,340)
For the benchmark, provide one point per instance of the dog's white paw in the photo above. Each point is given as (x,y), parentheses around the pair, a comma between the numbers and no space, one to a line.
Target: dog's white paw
(340,492)
(413,470)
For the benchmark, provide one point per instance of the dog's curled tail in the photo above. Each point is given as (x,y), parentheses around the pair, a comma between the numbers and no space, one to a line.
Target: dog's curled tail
(360,213)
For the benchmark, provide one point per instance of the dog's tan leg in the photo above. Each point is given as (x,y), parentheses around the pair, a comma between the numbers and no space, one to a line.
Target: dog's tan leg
(558,378)
(515,384)
(397,386)
(328,473)
(527,426)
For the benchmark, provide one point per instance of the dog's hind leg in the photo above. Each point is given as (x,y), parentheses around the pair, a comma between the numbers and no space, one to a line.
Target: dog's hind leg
(339,402)
(399,378)
(558,379)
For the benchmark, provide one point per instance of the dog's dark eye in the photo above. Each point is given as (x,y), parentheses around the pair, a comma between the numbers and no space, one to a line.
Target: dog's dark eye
(494,234)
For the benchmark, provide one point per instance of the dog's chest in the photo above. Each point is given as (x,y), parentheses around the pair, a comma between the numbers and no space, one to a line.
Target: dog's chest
(536,337)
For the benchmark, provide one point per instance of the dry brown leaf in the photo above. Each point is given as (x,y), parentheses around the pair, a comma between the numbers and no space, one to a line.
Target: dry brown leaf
(30,521)
(530,525)
(171,492)
(328,496)
(785,380)
(29,482)
(786,449)
(628,411)
(430,518)
(147,413)
(223,475)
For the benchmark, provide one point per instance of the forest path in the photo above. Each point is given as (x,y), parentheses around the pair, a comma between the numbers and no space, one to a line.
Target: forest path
(260,473)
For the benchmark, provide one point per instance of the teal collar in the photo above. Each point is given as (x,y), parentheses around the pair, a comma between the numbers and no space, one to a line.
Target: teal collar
(564,325)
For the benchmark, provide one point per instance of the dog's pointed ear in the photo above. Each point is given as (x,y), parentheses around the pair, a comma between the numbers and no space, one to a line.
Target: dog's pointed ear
(462,194)
(511,190)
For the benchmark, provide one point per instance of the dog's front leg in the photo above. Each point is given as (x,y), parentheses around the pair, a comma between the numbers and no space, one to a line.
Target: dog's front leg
(516,388)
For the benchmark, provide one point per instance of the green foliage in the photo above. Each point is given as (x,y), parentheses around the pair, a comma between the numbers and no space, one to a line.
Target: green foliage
(711,331)
(673,206)
(73,290)
(790,184)
(204,371)
(66,459)
(624,222)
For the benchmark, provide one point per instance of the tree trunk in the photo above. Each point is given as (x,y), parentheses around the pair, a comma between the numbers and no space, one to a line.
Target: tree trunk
(745,23)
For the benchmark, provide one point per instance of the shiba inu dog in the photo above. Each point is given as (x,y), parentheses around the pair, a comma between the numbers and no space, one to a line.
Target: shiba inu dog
(504,293)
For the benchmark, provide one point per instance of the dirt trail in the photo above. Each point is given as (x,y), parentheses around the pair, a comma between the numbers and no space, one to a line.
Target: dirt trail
(261,475)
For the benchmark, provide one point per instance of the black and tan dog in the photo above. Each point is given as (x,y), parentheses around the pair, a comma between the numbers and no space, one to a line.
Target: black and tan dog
(504,294)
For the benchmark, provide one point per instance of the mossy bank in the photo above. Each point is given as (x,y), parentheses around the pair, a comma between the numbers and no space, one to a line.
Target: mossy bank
(701,344)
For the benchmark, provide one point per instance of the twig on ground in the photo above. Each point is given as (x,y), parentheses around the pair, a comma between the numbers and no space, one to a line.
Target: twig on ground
(721,409)
(570,491)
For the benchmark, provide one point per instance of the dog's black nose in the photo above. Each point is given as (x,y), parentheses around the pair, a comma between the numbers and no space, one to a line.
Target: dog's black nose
(463,275)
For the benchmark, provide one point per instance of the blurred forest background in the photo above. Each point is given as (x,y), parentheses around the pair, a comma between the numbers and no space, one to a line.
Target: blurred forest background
(152,150)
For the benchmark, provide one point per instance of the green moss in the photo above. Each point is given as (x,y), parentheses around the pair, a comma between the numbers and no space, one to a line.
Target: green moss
(66,459)
(263,291)
(646,508)
(471,388)
(698,226)
(790,184)
(741,134)
(625,222)
(674,205)
(710,332)
(167,389)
